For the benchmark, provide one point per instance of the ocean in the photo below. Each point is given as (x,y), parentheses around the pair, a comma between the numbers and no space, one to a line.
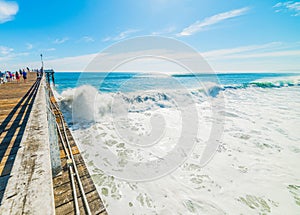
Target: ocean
(186,143)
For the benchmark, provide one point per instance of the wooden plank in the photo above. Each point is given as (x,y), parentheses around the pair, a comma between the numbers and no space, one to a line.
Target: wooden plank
(25,174)
(65,178)
(63,193)
(95,204)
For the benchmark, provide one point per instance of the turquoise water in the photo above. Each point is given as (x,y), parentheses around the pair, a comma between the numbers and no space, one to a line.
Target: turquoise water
(129,82)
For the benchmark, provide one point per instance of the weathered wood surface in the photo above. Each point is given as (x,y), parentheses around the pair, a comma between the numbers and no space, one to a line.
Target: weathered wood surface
(25,168)
(26,184)
(63,195)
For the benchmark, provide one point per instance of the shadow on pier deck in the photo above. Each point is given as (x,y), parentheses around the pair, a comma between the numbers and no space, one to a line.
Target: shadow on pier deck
(29,182)
(12,128)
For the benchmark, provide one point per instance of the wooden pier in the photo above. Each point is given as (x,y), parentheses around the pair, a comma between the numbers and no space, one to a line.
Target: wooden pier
(16,102)
(26,182)
(64,198)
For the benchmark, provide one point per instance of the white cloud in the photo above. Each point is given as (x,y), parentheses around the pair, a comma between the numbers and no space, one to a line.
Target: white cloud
(12,56)
(7,11)
(121,35)
(274,49)
(76,63)
(49,49)
(222,53)
(273,56)
(7,54)
(9,58)
(87,39)
(248,58)
(200,25)
(5,50)
(283,53)
(60,41)
(289,6)
(29,46)
(164,31)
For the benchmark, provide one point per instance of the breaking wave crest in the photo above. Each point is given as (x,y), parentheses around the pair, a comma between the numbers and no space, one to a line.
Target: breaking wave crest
(273,83)
(92,105)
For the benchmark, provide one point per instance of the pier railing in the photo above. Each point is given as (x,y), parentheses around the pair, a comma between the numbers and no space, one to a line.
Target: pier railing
(53,137)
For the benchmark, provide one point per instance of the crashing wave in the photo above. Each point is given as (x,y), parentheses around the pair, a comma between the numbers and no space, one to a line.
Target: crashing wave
(90,104)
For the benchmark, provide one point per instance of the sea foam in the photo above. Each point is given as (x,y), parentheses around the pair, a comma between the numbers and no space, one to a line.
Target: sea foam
(254,171)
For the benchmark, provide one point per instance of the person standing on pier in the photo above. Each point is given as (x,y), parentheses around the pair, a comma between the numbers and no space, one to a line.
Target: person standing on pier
(17,76)
(24,76)
(10,75)
(7,76)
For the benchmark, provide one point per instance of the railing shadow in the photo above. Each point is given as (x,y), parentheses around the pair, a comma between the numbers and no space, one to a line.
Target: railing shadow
(17,127)
(14,110)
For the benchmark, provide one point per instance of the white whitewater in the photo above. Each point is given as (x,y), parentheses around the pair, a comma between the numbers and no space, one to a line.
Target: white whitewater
(255,170)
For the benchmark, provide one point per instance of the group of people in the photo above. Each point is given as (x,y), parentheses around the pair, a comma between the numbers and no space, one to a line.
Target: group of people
(8,76)
(39,72)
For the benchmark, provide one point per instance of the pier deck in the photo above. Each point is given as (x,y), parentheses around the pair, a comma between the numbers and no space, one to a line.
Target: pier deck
(26,183)
(25,180)
(16,100)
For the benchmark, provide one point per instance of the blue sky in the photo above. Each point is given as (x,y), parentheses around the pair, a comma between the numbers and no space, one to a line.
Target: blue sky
(233,35)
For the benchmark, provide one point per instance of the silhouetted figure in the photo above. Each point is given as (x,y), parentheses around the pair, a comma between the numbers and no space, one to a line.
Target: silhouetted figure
(17,76)
(24,76)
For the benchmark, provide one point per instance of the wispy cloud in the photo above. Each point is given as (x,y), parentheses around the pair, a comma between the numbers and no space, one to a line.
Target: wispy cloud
(242,49)
(49,49)
(201,25)
(273,56)
(60,41)
(87,39)
(269,54)
(289,6)
(29,46)
(5,50)
(164,31)
(274,49)
(7,54)
(75,63)
(7,11)
(121,35)
(46,50)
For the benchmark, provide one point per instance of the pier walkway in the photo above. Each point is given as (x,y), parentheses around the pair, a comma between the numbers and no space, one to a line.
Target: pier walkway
(26,182)
(25,173)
